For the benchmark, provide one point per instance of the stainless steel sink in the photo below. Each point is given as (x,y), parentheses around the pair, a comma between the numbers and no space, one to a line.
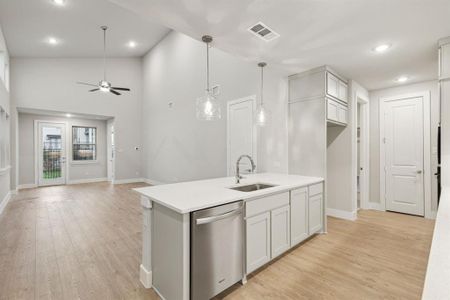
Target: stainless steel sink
(252,187)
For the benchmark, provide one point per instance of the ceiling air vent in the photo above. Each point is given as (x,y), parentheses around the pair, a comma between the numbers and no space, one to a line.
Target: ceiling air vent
(263,32)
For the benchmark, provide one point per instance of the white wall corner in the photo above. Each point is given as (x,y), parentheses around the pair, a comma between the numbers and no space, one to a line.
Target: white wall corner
(342,214)
(145,277)
(5,202)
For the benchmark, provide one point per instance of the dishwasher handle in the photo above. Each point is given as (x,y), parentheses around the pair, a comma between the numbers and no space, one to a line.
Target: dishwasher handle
(218,217)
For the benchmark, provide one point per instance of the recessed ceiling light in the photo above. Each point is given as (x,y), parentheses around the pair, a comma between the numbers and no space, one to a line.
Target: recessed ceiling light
(402,79)
(68,115)
(59,2)
(381,48)
(132,44)
(52,41)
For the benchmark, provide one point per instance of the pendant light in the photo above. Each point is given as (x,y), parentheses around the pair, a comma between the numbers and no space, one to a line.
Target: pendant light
(262,115)
(208,106)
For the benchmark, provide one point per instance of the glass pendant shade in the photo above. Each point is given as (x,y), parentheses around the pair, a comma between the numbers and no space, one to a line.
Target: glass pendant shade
(208,107)
(262,116)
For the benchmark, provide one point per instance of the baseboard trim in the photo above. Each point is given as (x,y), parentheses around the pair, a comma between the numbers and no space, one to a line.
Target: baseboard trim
(341,214)
(88,180)
(375,206)
(130,180)
(5,202)
(152,182)
(26,186)
(145,277)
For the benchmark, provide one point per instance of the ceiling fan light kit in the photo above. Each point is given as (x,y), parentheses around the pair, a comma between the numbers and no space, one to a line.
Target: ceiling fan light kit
(104,85)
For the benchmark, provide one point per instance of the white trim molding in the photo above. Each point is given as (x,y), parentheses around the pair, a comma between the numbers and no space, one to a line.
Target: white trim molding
(145,277)
(342,214)
(88,180)
(26,186)
(129,180)
(5,202)
(375,206)
(152,182)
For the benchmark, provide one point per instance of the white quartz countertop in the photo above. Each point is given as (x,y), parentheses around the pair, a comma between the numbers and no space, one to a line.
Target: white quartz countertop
(186,197)
(437,280)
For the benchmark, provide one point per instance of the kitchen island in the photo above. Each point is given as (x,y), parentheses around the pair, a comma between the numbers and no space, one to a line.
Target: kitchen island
(276,218)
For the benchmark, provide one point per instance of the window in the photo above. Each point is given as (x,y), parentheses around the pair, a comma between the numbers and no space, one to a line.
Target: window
(84,143)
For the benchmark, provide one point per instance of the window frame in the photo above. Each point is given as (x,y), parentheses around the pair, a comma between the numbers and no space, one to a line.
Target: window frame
(82,162)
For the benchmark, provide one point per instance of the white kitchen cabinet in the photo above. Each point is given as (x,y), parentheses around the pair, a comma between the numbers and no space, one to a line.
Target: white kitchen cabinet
(299,215)
(332,85)
(336,112)
(343,88)
(280,230)
(258,241)
(315,213)
(444,62)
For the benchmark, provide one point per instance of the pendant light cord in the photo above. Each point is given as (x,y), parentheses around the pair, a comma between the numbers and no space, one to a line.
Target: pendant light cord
(207,67)
(262,85)
(104,52)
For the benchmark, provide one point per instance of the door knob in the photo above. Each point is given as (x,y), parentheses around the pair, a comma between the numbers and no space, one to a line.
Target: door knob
(419,171)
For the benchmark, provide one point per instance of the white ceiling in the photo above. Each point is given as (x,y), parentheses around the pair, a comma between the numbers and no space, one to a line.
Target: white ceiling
(27,25)
(339,33)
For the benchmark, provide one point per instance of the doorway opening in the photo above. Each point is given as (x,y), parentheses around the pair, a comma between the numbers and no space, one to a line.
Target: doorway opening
(405,159)
(241,133)
(51,160)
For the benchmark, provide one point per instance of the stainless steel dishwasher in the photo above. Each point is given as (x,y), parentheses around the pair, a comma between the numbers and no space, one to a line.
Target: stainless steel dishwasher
(216,249)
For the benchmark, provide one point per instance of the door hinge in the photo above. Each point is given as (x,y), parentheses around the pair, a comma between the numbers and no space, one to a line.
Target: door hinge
(384,140)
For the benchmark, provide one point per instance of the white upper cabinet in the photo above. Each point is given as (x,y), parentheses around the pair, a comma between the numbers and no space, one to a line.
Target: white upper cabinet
(332,85)
(343,88)
(444,68)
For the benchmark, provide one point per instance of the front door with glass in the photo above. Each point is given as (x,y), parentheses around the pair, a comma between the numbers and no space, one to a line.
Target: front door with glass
(51,153)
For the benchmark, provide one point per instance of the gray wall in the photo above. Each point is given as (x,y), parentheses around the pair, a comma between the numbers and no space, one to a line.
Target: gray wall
(178,147)
(4,176)
(50,84)
(76,171)
(375,96)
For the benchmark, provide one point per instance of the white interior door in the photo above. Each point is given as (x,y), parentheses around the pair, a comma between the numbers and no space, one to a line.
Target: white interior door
(404,155)
(241,133)
(51,153)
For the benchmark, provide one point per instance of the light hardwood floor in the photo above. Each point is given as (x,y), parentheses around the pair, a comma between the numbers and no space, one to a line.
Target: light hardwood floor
(84,242)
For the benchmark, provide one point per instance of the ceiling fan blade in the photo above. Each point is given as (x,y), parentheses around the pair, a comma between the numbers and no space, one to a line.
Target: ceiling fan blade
(94,90)
(121,89)
(90,84)
(114,92)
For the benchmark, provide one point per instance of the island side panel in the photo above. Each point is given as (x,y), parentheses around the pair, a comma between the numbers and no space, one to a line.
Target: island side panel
(145,273)
(170,253)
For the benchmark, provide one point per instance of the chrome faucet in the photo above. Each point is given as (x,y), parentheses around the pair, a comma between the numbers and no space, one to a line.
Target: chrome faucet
(238,176)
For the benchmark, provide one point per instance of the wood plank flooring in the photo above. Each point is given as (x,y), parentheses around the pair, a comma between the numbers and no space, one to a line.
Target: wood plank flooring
(84,242)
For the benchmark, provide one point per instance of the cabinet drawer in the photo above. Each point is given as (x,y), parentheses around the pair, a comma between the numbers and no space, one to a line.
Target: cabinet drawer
(260,205)
(315,189)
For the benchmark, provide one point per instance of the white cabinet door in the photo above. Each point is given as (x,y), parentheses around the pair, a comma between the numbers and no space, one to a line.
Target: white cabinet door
(258,241)
(342,114)
(315,213)
(299,215)
(445,61)
(281,238)
(332,110)
(332,85)
(343,91)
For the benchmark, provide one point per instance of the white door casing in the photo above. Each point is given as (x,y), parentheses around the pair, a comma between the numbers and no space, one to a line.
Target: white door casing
(241,133)
(56,174)
(405,182)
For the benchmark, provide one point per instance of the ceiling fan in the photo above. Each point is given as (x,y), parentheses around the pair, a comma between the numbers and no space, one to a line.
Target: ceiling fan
(103,85)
